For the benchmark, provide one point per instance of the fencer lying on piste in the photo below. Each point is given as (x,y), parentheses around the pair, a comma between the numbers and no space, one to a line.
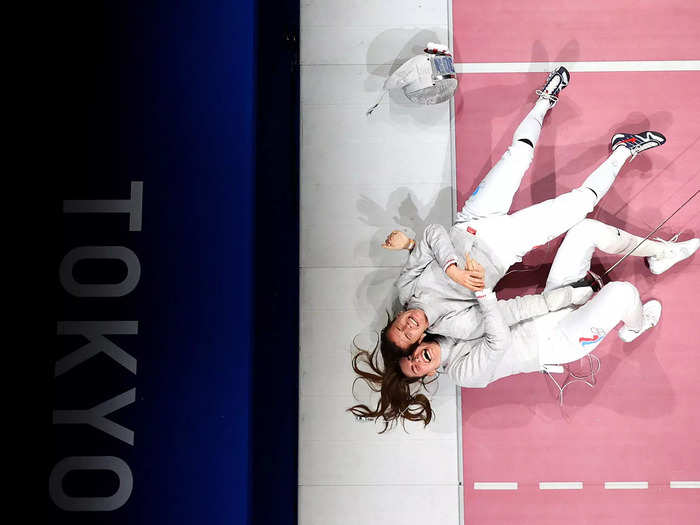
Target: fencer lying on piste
(436,287)
(523,334)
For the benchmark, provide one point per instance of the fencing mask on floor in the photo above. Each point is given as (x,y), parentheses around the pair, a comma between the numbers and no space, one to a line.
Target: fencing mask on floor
(428,78)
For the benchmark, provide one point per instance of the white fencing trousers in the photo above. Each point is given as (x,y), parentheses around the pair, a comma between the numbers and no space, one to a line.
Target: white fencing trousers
(494,194)
(565,336)
(509,237)
(573,259)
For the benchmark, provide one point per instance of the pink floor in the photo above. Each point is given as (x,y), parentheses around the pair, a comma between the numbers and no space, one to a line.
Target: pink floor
(641,422)
(575,30)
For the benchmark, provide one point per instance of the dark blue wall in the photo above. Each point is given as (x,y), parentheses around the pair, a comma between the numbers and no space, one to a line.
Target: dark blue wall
(167,93)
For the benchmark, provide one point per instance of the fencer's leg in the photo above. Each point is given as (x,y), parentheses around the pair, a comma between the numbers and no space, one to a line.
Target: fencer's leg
(517,234)
(538,224)
(581,331)
(494,194)
(600,181)
(573,259)
(542,222)
(624,146)
(528,131)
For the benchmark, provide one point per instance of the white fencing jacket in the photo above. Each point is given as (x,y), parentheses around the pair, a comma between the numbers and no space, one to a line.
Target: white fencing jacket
(503,350)
(451,308)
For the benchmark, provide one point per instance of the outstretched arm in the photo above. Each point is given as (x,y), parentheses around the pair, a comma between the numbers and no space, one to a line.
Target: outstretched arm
(528,306)
(469,324)
(435,246)
(480,357)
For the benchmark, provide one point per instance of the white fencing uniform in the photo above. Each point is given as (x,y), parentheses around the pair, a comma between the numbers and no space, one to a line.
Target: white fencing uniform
(582,330)
(620,302)
(507,238)
(494,194)
(558,337)
(423,284)
(573,259)
(554,338)
(497,240)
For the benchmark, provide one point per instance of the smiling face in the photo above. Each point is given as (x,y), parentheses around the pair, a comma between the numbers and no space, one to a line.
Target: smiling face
(407,328)
(424,360)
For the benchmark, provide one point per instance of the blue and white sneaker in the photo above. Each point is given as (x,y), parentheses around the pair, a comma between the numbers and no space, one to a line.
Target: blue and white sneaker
(639,142)
(556,81)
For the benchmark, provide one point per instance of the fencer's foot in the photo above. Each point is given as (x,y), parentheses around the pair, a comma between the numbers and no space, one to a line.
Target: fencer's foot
(651,313)
(639,142)
(673,252)
(556,81)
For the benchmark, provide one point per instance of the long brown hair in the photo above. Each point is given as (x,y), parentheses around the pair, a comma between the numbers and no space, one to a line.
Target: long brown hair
(399,395)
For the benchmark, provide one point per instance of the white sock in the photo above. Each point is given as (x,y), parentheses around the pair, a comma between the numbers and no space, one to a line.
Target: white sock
(622,154)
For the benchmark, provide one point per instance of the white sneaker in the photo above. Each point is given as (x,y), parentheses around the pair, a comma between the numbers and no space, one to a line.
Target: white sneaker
(651,313)
(673,252)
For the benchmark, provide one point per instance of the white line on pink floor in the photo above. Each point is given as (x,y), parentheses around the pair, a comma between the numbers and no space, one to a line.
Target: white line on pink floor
(578,485)
(544,67)
(685,484)
(626,484)
(561,485)
(495,485)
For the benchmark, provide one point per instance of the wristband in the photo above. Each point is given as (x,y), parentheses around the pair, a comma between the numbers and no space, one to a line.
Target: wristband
(483,294)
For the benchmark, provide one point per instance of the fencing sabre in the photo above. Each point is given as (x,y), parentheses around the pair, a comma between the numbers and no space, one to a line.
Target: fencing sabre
(596,281)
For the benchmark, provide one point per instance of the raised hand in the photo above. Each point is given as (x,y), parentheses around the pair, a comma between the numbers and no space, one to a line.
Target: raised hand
(397,240)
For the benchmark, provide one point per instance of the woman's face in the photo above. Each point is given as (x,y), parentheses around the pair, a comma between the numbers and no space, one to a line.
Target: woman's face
(407,328)
(424,360)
